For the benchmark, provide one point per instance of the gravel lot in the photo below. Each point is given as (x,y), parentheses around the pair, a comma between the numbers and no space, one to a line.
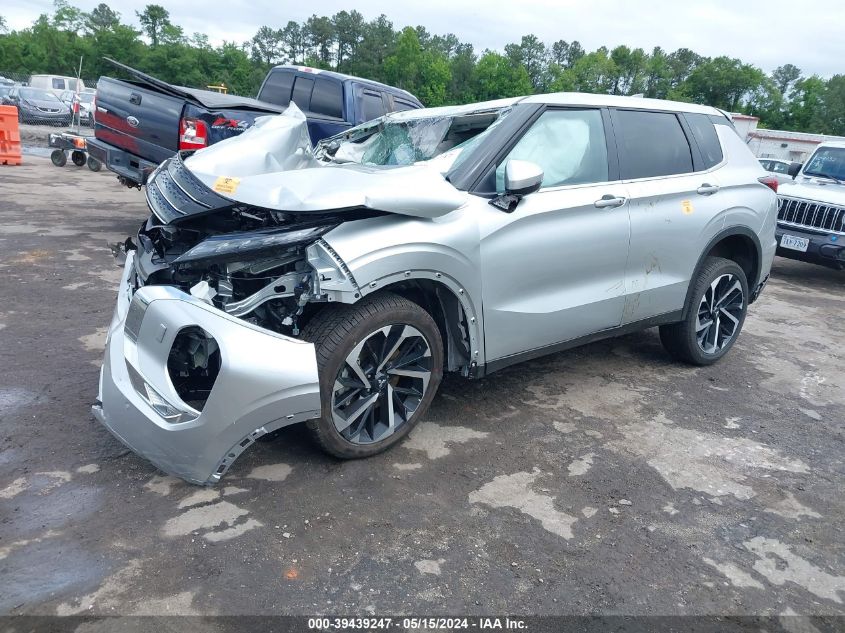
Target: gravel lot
(606,479)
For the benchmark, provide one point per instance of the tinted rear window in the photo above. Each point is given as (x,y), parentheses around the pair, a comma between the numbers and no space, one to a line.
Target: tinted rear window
(372,105)
(277,88)
(706,137)
(327,98)
(652,144)
(302,92)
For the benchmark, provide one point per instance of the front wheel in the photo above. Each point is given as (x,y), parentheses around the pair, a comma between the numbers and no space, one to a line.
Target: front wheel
(719,302)
(380,362)
(58,157)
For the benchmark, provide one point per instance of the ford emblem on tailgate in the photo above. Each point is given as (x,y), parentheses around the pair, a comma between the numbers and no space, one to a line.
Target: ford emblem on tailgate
(132,121)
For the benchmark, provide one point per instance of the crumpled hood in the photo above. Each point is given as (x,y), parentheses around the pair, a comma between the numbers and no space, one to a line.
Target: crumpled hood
(272,165)
(811,189)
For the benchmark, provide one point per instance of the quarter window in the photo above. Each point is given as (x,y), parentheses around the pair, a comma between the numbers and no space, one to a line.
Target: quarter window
(652,144)
(569,145)
(707,139)
(58,83)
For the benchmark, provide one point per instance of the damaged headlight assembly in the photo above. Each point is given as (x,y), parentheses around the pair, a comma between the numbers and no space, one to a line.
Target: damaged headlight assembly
(251,244)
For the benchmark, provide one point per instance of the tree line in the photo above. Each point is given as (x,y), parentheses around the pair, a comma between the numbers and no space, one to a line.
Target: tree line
(439,69)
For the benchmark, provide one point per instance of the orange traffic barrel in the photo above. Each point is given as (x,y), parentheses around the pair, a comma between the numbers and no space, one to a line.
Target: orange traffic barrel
(10,136)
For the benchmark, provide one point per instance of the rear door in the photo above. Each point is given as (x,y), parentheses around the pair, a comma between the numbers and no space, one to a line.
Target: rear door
(554,269)
(674,200)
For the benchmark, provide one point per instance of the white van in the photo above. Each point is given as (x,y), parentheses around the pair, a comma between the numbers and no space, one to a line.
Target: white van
(56,83)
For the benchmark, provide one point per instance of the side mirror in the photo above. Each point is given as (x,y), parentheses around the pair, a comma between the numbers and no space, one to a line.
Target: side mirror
(794,168)
(522,177)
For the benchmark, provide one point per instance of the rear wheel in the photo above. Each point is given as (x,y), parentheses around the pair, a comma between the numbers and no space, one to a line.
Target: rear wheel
(94,164)
(719,302)
(78,158)
(380,362)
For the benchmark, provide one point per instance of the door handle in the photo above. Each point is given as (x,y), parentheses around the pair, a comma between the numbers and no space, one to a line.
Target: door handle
(707,189)
(608,201)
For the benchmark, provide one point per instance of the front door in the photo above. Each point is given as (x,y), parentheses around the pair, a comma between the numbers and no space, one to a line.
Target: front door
(554,269)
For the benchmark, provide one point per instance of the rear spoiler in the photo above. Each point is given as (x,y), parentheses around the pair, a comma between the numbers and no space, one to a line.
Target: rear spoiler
(204,98)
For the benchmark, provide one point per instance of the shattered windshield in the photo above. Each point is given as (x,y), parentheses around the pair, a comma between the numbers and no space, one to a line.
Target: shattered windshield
(405,141)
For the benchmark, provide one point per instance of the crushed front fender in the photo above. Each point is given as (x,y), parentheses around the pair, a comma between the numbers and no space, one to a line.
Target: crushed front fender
(265,381)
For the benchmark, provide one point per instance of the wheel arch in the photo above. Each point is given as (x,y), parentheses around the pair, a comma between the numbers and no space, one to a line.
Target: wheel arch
(449,306)
(737,243)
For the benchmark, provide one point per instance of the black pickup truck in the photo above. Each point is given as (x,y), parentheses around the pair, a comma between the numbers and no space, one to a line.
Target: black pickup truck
(142,121)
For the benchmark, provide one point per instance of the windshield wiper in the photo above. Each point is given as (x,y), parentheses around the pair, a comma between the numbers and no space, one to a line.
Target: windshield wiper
(828,176)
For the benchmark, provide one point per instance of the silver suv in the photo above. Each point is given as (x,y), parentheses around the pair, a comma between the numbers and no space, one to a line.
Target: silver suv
(275,283)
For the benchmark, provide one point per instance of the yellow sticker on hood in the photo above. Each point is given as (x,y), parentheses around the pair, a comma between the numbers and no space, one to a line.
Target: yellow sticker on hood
(226,185)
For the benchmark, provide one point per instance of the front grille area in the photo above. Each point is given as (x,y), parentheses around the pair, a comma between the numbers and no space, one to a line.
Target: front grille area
(811,215)
(176,193)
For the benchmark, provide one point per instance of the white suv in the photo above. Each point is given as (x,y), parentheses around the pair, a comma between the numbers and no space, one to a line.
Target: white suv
(811,209)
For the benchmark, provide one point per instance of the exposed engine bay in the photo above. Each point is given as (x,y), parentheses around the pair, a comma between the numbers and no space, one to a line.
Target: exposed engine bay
(248,261)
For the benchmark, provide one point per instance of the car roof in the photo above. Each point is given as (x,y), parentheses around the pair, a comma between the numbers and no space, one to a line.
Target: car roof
(556,98)
(343,77)
(584,98)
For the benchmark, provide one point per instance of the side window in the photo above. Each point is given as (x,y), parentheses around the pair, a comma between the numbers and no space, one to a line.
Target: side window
(372,105)
(58,83)
(400,105)
(652,144)
(706,137)
(569,145)
(277,88)
(327,98)
(302,92)
(779,168)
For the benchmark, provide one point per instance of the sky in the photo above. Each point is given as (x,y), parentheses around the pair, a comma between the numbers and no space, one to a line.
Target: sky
(766,33)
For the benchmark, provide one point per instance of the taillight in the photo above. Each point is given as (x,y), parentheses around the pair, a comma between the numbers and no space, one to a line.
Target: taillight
(770,181)
(193,134)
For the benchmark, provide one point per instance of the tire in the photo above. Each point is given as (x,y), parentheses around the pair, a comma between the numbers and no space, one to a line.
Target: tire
(364,331)
(78,158)
(94,164)
(693,340)
(58,157)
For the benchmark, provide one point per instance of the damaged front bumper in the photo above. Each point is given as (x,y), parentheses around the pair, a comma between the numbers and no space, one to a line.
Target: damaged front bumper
(265,381)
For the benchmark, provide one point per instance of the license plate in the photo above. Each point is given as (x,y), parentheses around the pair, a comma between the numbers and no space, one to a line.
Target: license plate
(794,243)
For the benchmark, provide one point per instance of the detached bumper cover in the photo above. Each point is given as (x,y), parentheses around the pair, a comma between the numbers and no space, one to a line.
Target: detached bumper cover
(266,381)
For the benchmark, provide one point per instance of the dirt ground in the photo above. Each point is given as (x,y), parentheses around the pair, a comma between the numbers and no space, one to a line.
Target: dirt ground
(607,479)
